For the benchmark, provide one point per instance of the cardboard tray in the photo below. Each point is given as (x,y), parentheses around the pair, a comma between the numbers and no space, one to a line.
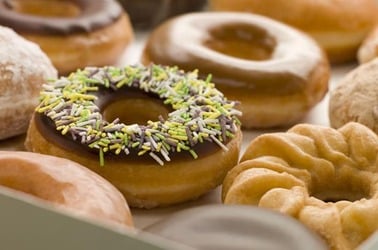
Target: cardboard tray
(27,223)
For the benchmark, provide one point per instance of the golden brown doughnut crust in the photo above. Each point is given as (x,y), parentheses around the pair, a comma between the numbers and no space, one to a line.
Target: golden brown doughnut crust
(149,185)
(369,48)
(23,70)
(277,91)
(64,183)
(98,48)
(325,178)
(337,25)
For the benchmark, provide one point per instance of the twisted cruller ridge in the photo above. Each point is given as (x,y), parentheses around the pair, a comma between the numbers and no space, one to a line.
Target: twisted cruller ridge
(324,177)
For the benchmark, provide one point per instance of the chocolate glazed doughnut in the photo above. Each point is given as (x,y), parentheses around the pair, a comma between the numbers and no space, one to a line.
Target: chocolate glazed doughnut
(73,33)
(188,142)
(276,72)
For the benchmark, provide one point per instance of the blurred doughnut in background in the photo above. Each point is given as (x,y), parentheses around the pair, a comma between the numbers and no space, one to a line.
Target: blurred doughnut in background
(146,14)
(338,26)
(73,33)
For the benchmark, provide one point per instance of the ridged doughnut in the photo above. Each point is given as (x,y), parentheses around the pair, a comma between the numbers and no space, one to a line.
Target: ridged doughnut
(326,178)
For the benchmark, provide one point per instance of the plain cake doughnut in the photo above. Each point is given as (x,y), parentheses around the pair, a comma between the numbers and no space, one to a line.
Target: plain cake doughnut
(64,183)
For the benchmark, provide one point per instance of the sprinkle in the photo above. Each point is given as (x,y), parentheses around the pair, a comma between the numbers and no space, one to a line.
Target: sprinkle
(156,158)
(200,112)
(101,156)
(219,143)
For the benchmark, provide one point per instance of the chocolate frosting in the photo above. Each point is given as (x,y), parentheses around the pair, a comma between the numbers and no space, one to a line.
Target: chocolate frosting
(94,15)
(236,227)
(105,96)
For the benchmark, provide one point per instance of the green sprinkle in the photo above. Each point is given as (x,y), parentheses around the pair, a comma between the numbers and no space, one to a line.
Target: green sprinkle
(199,111)
(101,156)
(195,156)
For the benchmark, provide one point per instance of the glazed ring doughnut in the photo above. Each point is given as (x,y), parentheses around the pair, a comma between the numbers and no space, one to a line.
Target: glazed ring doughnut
(324,177)
(23,69)
(195,139)
(338,26)
(64,184)
(277,73)
(73,33)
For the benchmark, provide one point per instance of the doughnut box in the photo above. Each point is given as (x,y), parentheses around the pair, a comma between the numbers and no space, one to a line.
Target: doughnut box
(242,154)
(31,215)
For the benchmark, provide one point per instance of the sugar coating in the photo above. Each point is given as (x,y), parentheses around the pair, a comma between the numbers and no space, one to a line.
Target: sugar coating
(24,68)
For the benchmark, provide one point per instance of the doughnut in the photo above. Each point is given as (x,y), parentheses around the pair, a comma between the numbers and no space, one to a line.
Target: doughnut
(236,227)
(146,14)
(73,33)
(369,48)
(338,26)
(324,177)
(354,99)
(160,135)
(64,184)
(23,69)
(277,73)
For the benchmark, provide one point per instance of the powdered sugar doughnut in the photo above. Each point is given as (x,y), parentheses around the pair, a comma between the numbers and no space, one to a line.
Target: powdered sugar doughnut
(23,69)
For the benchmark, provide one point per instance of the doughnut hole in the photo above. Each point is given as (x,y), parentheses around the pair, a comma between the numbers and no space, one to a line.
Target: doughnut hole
(242,41)
(135,110)
(348,184)
(51,8)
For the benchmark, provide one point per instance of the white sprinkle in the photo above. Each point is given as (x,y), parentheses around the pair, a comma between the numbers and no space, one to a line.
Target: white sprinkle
(236,112)
(156,158)
(60,114)
(126,151)
(219,143)
(48,87)
(78,110)
(59,105)
(82,124)
(211,132)
(164,153)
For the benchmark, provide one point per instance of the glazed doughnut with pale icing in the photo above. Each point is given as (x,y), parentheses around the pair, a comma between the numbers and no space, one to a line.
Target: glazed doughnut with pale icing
(338,26)
(276,72)
(73,33)
(23,69)
(355,98)
(64,183)
(160,135)
(325,178)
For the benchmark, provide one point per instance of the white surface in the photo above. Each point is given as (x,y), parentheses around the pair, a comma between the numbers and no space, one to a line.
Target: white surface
(318,115)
